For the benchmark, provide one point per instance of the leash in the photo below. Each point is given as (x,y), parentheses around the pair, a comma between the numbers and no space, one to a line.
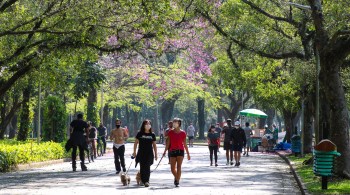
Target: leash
(129,166)
(158,163)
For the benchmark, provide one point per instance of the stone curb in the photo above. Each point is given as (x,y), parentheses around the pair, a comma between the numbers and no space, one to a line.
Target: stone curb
(301,185)
(22,167)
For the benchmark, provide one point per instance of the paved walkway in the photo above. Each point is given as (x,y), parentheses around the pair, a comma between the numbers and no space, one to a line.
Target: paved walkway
(258,174)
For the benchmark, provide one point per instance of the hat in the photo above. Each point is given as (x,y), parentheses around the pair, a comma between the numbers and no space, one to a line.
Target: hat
(237,123)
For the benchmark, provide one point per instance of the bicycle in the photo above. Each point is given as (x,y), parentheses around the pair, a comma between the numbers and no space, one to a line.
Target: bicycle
(99,146)
(90,152)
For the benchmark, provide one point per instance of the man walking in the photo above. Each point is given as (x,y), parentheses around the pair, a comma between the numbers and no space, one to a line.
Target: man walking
(77,129)
(190,134)
(228,141)
(239,140)
(248,132)
(118,136)
(102,134)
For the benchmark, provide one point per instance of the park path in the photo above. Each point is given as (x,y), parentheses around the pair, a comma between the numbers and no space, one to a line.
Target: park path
(258,174)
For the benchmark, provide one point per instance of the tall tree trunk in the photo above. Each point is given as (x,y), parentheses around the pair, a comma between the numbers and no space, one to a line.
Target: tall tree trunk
(288,124)
(105,114)
(220,116)
(92,112)
(201,117)
(308,123)
(136,126)
(167,109)
(333,51)
(270,116)
(13,128)
(3,110)
(24,117)
(339,118)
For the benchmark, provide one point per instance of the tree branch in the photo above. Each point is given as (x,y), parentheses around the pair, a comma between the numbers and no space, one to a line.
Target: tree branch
(276,55)
(7,4)
(258,9)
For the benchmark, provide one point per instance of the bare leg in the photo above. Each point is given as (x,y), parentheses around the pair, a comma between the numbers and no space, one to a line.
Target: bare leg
(172,166)
(179,160)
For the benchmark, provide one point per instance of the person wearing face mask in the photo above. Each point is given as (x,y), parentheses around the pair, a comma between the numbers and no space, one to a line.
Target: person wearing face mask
(118,136)
(176,144)
(147,150)
(213,139)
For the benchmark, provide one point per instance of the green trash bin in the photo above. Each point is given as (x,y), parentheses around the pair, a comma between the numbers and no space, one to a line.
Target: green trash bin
(324,153)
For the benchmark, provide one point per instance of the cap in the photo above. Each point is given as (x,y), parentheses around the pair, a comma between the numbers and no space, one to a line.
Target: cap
(237,123)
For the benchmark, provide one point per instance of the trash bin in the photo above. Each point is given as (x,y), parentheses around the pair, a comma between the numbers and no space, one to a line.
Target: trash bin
(324,155)
(296,144)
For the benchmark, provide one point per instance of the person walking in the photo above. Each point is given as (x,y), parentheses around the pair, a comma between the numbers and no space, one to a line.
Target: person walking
(227,131)
(147,150)
(190,133)
(213,139)
(176,145)
(77,129)
(118,136)
(239,140)
(102,134)
(248,133)
(166,133)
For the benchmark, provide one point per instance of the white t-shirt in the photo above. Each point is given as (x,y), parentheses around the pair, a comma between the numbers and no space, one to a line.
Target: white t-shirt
(190,130)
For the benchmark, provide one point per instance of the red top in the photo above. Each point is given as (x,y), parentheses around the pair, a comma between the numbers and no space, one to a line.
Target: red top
(176,140)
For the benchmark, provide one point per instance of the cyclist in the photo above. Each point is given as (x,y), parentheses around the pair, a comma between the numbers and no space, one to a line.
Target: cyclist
(102,133)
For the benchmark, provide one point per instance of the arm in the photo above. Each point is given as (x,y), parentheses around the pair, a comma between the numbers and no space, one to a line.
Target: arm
(126,135)
(135,147)
(111,136)
(155,150)
(186,148)
(167,145)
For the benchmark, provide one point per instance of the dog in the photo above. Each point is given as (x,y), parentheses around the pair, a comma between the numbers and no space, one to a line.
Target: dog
(138,178)
(125,179)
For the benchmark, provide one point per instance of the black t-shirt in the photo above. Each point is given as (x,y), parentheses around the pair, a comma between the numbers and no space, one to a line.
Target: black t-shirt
(78,125)
(238,136)
(228,133)
(102,131)
(145,142)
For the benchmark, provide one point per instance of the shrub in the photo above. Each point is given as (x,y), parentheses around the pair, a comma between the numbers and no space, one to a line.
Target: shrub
(54,124)
(14,153)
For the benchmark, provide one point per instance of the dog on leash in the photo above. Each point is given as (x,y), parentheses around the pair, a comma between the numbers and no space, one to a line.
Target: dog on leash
(138,178)
(125,179)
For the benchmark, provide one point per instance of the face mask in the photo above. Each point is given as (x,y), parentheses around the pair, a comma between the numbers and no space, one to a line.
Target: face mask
(147,127)
(175,125)
(118,126)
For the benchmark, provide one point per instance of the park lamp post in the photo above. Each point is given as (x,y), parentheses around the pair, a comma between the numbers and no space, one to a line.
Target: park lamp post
(318,133)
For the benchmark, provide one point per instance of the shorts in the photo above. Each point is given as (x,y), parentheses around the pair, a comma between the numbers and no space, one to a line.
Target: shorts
(190,137)
(237,148)
(249,142)
(176,153)
(227,146)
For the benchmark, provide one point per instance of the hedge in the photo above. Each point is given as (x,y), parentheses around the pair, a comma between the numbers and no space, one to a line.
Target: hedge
(13,153)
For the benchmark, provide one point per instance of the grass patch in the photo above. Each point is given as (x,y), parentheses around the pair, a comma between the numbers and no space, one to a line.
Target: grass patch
(313,183)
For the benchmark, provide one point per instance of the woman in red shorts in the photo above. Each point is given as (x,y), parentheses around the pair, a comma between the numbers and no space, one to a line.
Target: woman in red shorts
(176,145)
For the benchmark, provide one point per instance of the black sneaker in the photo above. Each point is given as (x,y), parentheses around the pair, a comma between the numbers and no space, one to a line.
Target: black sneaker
(238,164)
(124,169)
(243,153)
(232,163)
(146,184)
(117,172)
(176,183)
(216,164)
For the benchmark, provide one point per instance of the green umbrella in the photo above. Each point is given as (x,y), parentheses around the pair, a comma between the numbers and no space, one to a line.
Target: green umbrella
(253,113)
